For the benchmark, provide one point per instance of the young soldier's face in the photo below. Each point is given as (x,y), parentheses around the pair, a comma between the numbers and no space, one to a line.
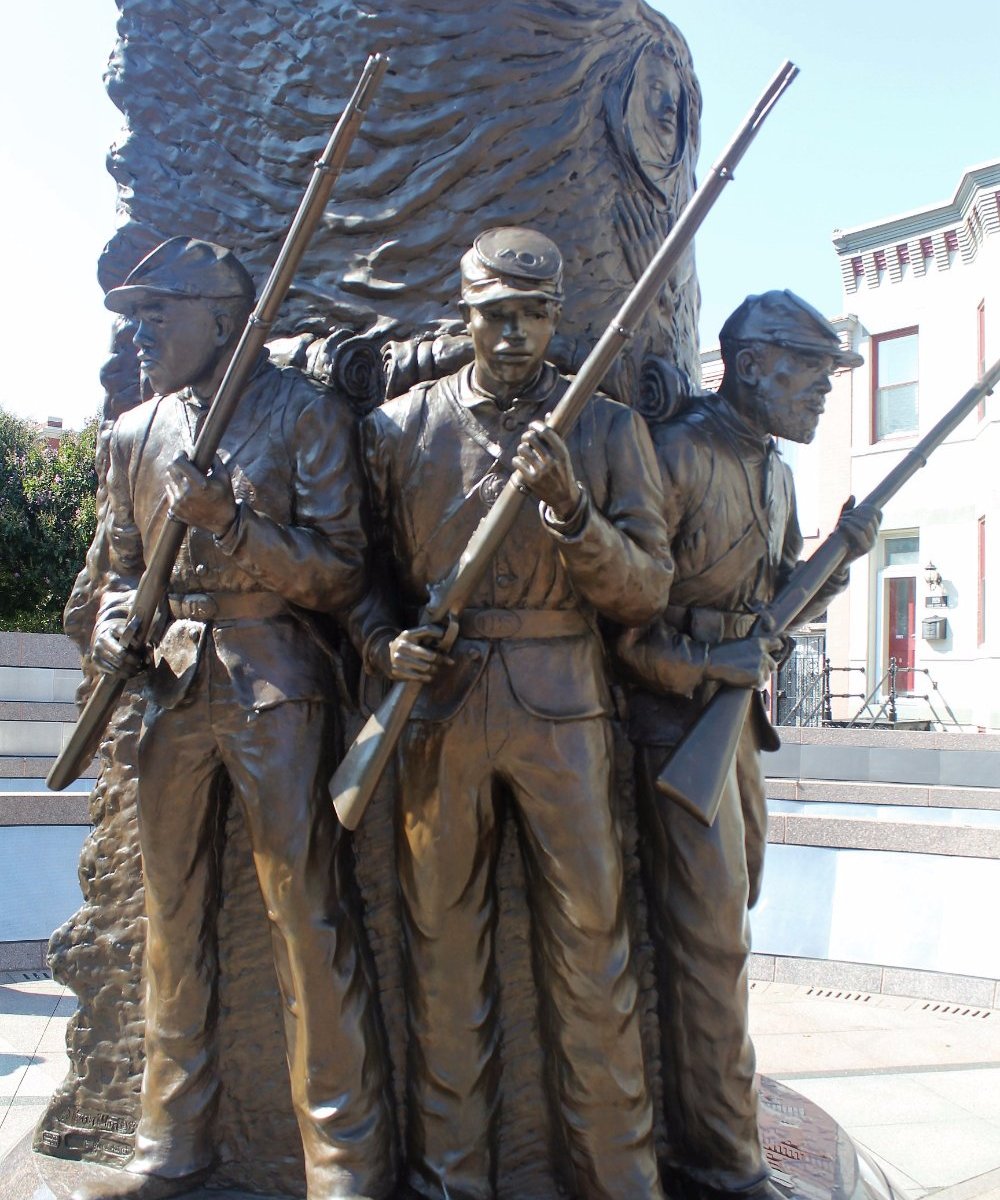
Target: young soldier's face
(178,340)
(510,338)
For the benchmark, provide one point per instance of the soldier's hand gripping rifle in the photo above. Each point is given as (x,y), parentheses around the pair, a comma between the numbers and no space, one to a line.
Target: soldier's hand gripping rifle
(695,774)
(362,767)
(153,585)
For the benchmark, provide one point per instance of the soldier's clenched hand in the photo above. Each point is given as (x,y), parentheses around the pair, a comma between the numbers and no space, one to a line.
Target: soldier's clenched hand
(859,524)
(544,462)
(746,663)
(107,652)
(412,656)
(205,501)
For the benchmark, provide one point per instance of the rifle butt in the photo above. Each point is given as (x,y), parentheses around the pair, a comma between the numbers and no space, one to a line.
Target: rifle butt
(354,781)
(695,774)
(87,733)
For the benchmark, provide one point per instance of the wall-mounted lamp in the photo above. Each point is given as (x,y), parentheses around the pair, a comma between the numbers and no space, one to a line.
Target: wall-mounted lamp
(933,577)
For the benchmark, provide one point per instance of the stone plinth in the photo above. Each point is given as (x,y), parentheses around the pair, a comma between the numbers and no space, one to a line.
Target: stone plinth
(810,1156)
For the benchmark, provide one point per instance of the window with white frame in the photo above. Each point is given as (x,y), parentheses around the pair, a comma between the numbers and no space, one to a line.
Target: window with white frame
(894,384)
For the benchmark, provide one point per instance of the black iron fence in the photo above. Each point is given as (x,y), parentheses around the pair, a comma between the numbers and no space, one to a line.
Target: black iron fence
(804,692)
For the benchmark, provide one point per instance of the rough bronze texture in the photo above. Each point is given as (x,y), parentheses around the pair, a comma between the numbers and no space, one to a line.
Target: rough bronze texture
(514,113)
(529,113)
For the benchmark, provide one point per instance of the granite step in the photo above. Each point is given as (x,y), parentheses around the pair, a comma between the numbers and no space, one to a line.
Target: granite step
(39,684)
(35,766)
(36,737)
(909,794)
(839,832)
(45,808)
(38,650)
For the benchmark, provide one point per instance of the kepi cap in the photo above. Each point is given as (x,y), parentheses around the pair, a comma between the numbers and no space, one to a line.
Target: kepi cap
(512,262)
(781,318)
(186,268)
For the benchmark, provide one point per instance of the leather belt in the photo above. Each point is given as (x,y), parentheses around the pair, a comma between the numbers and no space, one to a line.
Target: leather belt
(495,623)
(709,625)
(227,606)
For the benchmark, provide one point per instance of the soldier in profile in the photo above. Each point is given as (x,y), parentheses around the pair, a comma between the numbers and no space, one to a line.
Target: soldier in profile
(518,710)
(239,688)
(729,505)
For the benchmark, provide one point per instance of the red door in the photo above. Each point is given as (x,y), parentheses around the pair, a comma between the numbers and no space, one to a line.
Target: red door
(902,603)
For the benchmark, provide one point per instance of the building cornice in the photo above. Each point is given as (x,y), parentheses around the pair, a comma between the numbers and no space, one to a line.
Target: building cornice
(881,252)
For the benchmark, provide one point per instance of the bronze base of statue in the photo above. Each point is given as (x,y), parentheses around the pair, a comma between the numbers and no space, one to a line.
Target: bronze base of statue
(810,1157)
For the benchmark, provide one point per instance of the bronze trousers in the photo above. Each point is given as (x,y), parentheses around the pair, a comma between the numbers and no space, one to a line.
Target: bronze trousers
(558,773)
(697,885)
(279,763)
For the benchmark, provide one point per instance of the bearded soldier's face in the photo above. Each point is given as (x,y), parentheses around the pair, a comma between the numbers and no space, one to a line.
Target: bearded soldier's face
(791,391)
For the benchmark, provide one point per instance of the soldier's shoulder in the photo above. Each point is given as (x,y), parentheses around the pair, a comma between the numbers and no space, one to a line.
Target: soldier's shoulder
(685,445)
(694,421)
(610,409)
(401,411)
(132,426)
(604,410)
(305,405)
(291,385)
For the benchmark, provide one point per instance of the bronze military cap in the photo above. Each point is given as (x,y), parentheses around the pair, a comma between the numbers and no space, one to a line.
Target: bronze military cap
(784,319)
(185,268)
(512,262)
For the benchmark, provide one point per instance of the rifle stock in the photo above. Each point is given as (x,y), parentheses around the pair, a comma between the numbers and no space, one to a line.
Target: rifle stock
(365,762)
(153,584)
(695,774)
(355,779)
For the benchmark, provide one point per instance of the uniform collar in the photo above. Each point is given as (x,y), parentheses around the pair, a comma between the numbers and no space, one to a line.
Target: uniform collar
(188,397)
(474,397)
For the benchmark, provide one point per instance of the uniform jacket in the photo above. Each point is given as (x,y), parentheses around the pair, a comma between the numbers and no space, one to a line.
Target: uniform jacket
(729,505)
(436,459)
(291,451)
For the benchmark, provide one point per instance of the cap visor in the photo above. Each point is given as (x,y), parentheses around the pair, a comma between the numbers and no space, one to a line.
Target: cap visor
(124,299)
(500,291)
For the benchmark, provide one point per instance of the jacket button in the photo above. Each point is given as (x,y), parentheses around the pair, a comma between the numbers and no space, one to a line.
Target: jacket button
(504,580)
(200,569)
(510,422)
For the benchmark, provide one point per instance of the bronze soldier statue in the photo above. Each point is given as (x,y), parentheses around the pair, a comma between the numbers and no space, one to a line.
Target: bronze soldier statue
(518,707)
(729,504)
(240,687)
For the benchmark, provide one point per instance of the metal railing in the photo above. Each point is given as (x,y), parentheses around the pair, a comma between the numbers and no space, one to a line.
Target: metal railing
(888,688)
(880,705)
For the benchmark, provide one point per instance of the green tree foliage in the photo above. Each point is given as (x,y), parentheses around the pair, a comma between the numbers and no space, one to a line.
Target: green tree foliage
(47,518)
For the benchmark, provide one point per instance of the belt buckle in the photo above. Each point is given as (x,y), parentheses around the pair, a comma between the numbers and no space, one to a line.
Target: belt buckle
(497,623)
(199,606)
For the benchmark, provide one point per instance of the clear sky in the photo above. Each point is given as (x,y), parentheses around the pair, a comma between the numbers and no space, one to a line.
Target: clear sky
(896,99)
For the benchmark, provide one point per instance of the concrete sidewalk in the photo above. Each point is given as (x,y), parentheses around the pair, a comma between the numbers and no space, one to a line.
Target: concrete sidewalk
(915,1082)
(33,1015)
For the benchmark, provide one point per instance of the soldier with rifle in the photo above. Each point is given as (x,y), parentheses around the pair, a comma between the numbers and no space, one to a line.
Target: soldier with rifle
(239,688)
(516,709)
(729,504)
